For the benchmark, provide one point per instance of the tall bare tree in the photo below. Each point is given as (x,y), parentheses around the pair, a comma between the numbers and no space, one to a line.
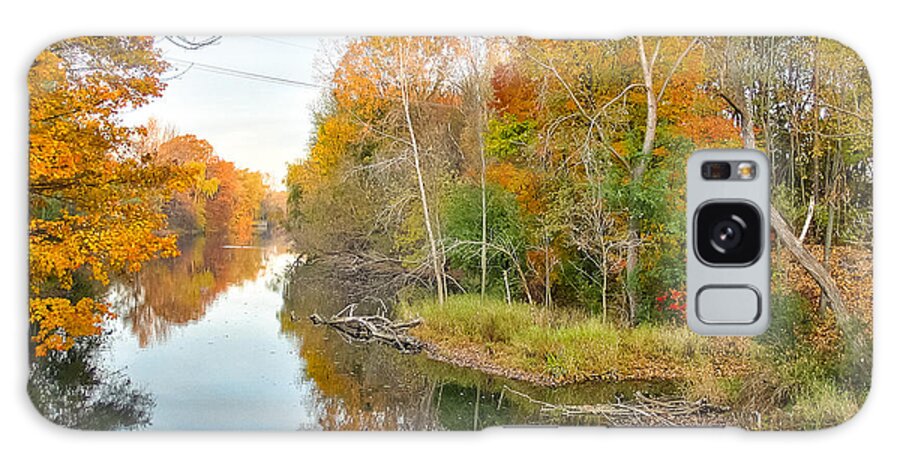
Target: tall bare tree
(436,257)
(639,167)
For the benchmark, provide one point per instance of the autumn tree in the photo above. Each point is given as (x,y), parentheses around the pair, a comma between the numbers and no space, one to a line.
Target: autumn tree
(386,131)
(236,203)
(587,145)
(219,198)
(589,137)
(187,210)
(96,208)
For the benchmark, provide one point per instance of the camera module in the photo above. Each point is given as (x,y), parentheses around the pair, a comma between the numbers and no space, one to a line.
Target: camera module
(728,233)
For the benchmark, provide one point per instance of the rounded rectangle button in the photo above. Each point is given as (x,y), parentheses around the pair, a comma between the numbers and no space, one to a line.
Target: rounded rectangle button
(728,304)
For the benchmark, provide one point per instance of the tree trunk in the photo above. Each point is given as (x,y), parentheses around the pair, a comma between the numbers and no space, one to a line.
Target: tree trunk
(634,230)
(747,134)
(817,144)
(483,209)
(435,258)
(548,299)
(826,257)
(815,269)
(506,285)
(605,282)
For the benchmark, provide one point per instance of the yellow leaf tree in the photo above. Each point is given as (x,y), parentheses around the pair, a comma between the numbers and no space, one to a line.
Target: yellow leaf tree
(95,207)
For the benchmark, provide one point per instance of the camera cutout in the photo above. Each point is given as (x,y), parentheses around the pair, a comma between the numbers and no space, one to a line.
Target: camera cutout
(728,268)
(728,233)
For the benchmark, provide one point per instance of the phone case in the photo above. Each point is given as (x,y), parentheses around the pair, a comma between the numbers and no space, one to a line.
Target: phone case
(435,233)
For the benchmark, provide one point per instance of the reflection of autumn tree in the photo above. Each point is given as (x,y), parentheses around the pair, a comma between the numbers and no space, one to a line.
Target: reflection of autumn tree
(179,290)
(72,390)
(361,388)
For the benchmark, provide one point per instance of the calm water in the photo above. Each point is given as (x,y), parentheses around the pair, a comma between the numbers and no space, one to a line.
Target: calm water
(216,339)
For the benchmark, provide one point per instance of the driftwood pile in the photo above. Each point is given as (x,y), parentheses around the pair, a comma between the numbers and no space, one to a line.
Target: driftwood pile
(372,328)
(641,411)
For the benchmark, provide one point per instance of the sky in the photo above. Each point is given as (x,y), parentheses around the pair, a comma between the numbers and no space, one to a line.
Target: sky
(256,123)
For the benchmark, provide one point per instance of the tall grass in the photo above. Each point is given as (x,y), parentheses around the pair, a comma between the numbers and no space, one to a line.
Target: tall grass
(468,318)
(779,380)
(568,348)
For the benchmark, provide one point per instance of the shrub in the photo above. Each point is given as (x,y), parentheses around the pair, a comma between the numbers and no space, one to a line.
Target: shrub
(462,228)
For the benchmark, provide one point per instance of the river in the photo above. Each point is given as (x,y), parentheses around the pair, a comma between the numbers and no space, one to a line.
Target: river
(215,339)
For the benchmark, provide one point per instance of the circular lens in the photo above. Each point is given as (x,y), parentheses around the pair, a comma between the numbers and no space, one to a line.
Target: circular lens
(726,235)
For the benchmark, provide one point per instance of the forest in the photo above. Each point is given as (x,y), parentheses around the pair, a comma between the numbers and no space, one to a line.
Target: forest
(536,189)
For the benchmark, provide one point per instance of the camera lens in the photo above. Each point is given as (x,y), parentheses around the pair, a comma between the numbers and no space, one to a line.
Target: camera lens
(728,233)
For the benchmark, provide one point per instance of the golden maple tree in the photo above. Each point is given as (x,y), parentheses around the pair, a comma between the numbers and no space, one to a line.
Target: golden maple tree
(96,208)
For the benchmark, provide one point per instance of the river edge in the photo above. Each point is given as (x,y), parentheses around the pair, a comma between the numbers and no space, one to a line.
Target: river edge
(472,359)
(637,409)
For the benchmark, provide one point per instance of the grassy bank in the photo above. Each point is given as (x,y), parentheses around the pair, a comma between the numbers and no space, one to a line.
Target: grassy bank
(566,348)
(773,382)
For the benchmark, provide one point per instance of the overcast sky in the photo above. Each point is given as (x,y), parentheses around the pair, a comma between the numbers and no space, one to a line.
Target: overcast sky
(256,123)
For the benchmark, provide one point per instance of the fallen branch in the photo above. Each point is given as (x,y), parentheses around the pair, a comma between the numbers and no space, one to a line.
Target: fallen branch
(372,328)
(642,410)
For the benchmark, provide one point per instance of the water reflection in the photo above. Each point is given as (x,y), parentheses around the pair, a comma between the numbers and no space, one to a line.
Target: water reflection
(358,387)
(178,291)
(217,339)
(74,389)
(372,387)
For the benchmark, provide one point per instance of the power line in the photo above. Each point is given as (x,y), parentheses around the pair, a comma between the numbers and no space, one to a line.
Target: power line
(192,43)
(249,75)
(274,79)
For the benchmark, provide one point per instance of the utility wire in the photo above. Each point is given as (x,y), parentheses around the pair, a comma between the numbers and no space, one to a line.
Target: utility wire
(275,80)
(248,75)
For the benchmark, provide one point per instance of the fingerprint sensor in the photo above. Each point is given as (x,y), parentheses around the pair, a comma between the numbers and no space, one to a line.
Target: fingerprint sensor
(726,304)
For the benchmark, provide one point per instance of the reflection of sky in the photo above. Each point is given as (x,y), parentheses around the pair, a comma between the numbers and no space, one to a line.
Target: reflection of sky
(231,370)
(258,125)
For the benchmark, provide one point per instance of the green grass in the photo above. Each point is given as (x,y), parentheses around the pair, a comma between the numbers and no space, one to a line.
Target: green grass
(565,347)
(821,404)
(467,317)
(775,382)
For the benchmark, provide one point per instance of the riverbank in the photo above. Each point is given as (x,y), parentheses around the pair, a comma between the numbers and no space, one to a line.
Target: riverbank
(530,343)
(771,382)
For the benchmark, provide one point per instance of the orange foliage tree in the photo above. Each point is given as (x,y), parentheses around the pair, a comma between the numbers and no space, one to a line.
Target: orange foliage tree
(187,210)
(236,204)
(95,207)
